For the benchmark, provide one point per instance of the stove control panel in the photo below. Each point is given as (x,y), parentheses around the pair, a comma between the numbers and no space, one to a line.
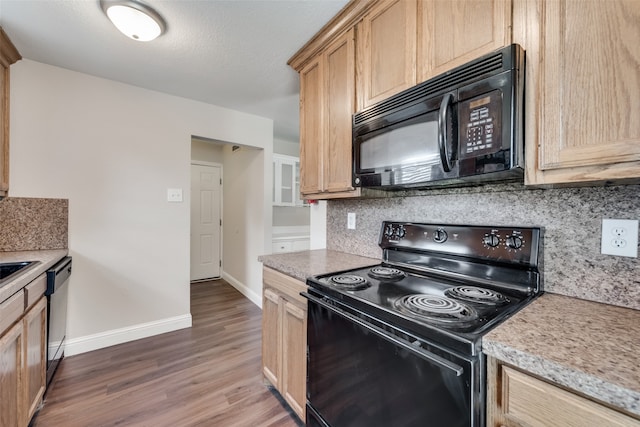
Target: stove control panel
(513,245)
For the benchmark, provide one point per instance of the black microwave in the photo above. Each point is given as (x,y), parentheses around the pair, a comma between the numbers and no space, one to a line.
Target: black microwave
(461,127)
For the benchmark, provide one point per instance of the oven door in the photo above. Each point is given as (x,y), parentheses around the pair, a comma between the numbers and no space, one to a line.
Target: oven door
(360,373)
(407,147)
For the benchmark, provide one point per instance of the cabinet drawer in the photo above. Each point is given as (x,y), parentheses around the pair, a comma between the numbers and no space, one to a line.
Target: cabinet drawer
(287,286)
(11,310)
(537,403)
(280,247)
(34,290)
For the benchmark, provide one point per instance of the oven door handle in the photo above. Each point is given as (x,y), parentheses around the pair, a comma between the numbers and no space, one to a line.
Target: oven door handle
(418,351)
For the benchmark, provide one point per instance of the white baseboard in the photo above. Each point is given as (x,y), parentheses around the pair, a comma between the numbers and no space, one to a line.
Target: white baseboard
(243,289)
(130,333)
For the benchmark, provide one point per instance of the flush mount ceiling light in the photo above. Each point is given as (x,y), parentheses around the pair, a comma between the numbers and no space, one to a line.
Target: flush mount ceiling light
(134,19)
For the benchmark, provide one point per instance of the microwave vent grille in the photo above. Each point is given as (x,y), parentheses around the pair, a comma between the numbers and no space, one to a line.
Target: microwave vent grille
(453,79)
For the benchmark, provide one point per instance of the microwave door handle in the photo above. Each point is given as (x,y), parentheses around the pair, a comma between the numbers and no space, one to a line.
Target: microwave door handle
(442,132)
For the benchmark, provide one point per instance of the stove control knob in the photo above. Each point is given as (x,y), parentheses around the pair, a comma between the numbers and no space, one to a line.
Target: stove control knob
(401,232)
(514,242)
(389,230)
(440,236)
(491,240)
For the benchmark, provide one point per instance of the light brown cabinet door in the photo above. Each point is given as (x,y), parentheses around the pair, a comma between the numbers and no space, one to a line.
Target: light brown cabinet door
(4,131)
(387,50)
(583,74)
(284,337)
(11,396)
(453,32)
(340,76)
(327,101)
(8,55)
(516,399)
(294,357)
(311,127)
(271,337)
(35,356)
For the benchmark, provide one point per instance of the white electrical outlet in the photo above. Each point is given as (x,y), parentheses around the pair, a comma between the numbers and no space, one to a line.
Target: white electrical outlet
(620,237)
(174,194)
(351,221)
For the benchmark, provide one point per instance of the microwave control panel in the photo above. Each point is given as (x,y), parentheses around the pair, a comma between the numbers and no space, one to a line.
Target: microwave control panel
(480,125)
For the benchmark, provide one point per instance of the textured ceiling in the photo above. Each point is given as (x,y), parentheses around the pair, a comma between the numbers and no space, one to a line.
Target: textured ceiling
(228,53)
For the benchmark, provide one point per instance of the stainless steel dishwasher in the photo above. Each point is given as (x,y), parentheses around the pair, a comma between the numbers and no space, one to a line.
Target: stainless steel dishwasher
(57,293)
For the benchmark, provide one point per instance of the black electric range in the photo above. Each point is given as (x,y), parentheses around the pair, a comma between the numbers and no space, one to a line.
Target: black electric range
(436,292)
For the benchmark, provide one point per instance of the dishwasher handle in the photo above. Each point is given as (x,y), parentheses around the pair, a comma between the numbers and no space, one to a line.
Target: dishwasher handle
(58,275)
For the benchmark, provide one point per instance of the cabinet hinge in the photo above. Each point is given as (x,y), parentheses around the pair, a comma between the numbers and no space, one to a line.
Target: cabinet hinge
(220,223)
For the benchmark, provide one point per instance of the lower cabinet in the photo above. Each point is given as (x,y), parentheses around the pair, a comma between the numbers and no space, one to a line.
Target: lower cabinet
(11,397)
(517,399)
(284,337)
(23,358)
(35,356)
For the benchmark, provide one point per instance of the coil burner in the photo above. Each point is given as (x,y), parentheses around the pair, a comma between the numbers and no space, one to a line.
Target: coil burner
(349,282)
(386,273)
(435,308)
(476,295)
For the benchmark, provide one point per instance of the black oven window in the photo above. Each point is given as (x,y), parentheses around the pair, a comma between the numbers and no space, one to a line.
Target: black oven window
(407,143)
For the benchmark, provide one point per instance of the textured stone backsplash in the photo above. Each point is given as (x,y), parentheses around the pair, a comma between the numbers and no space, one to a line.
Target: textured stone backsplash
(33,224)
(571,218)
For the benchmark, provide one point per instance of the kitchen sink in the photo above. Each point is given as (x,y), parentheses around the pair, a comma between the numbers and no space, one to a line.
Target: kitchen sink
(9,270)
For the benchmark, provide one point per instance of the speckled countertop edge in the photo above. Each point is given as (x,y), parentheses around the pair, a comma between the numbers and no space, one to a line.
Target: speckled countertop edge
(591,348)
(45,259)
(312,263)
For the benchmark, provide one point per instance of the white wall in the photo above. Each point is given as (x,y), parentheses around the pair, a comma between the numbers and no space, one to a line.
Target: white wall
(113,150)
(244,182)
(318,225)
(289,216)
(206,152)
(288,148)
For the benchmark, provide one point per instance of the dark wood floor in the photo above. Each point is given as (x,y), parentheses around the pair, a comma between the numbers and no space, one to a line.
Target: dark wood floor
(208,375)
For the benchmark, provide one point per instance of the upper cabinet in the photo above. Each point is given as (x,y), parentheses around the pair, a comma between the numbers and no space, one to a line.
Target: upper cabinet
(327,101)
(405,42)
(8,55)
(311,127)
(286,181)
(451,33)
(583,80)
(387,50)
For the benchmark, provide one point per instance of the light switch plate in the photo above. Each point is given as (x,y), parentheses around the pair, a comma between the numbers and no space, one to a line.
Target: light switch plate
(351,221)
(174,195)
(620,237)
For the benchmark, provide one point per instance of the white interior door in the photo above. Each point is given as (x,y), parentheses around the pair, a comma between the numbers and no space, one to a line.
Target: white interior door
(206,193)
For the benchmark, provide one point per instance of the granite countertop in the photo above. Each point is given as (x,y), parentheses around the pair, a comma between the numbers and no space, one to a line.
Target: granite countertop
(588,347)
(311,263)
(45,258)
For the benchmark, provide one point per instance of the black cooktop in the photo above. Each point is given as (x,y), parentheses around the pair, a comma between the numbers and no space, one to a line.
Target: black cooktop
(451,312)
(449,284)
